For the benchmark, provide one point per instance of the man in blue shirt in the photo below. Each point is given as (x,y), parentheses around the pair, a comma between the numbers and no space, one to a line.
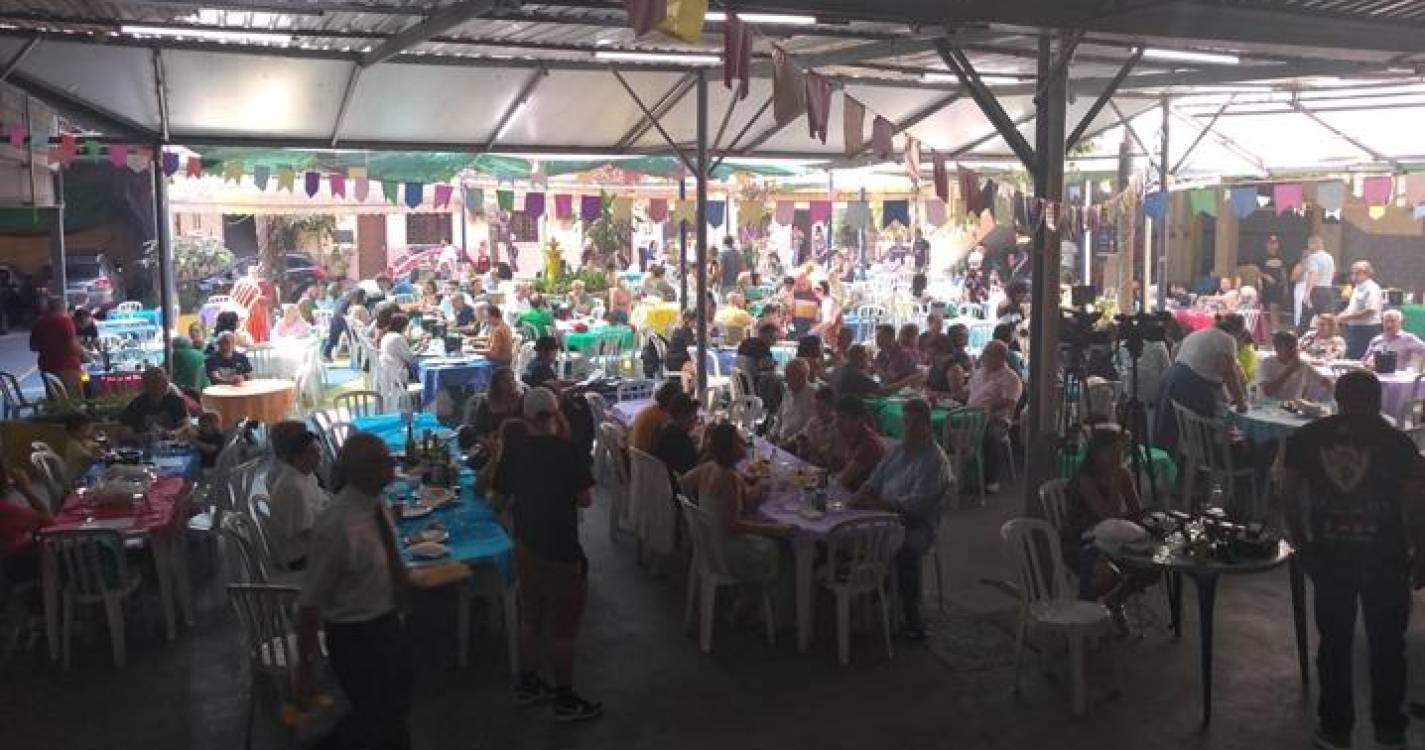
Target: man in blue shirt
(541,371)
(910,481)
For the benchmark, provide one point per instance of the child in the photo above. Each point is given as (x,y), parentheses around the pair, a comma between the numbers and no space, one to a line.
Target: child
(208,439)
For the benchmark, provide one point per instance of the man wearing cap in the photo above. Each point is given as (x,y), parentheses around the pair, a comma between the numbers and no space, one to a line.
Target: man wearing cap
(541,369)
(551,478)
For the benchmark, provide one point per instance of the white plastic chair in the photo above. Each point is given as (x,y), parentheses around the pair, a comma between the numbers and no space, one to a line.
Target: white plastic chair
(1053,500)
(51,471)
(651,511)
(1045,600)
(241,480)
(746,412)
(16,405)
(242,554)
(95,570)
(270,636)
(353,404)
(263,361)
(611,476)
(55,389)
(709,571)
(964,440)
(859,556)
(337,433)
(128,309)
(597,407)
(635,390)
(1206,448)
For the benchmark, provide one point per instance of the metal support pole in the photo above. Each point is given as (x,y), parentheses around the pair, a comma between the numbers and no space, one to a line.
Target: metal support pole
(682,249)
(464,226)
(1044,324)
(56,239)
(1161,266)
(702,236)
(167,290)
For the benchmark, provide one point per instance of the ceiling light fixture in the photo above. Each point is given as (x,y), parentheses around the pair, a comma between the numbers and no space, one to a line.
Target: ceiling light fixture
(216,35)
(768,19)
(1182,55)
(988,80)
(669,58)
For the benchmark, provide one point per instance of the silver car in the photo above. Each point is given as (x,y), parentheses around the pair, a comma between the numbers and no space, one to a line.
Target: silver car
(90,280)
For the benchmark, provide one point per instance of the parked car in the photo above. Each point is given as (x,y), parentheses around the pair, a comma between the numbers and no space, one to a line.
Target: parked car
(301,273)
(90,280)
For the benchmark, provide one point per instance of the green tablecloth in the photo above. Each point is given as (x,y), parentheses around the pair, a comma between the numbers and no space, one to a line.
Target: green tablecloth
(1414,318)
(585,341)
(889,413)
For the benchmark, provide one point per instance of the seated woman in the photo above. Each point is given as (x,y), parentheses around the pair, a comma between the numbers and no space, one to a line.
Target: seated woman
(995,388)
(501,402)
(292,325)
(945,378)
(673,442)
(718,489)
(1324,341)
(861,446)
(227,321)
(22,513)
(818,442)
(1102,488)
(429,301)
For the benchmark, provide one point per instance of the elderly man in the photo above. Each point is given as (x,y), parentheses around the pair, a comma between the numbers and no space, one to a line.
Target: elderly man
(499,345)
(353,591)
(851,379)
(1407,346)
(157,407)
(227,365)
(910,480)
(895,364)
(996,388)
(799,405)
(1352,490)
(1206,361)
(1361,320)
(1285,376)
(861,445)
(295,496)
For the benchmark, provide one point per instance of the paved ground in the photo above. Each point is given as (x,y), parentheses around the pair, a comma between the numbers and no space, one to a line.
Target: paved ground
(660,691)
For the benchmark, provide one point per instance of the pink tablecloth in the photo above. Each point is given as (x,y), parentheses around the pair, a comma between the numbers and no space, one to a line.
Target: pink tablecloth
(1193,320)
(162,509)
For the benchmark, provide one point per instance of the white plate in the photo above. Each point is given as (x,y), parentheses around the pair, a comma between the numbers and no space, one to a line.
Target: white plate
(416,511)
(429,550)
(430,535)
(436,496)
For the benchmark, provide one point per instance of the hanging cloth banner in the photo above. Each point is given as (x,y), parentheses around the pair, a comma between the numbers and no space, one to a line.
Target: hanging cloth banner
(786,213)
(563,206)
(389,191)
(170,163)
(415,194)
(312,182)
(935,212)
(195,166)
(260,174)
(645,15)
(883,133)
(1244,201)
(1155,205)
(788,89)
(286,179)
(1414,188)
(970,192)
(505,199)
(717,211)
(657,210)
(18,135)
(1331,196)
(912,159)
(895,211)
(1203,201)
(337,183)
(590,206)
(232,171)
(1376,190)
(751,215)
(622,209)
(1288,197)
(820,211)
(118,155)
(93,149)
(941,177)
(853,125)
(474,199)
(684,20)
(361,185)
(858,214)
(443,192)
(818,101)
(736,54)
(684,210)
(534,205)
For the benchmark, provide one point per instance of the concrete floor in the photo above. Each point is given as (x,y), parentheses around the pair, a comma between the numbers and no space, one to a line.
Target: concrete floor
(660,691)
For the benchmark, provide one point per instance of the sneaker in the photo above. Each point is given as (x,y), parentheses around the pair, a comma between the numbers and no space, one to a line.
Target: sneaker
(1331,740)
(570,707)
(532,689)
(1390,739)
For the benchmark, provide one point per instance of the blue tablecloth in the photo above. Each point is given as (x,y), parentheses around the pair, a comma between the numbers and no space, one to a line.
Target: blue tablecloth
(171,462)
(150,315)
(437,374)
(127,326)
(476,536)
(727,357)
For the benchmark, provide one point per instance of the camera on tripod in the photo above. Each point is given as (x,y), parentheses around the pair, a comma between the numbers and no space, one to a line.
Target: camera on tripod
(1079,330)
(1135,330)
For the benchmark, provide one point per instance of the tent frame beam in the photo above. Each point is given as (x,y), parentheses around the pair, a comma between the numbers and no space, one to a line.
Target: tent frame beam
(1103,99)
(1127,124)
(665,104)
(346,96)
(747,126)
(960,65)
(1343,135)
(160,89)
(110,123)
(1229,144)
(1200,135)
(19,57)
(509,114)
(672,144)
(442,21)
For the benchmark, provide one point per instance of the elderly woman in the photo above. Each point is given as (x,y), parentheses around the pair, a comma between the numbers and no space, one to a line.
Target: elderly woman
(227,320)
(1324,341)
(292,325)
(620,302)
(398,361)
(996,388)
(579,298)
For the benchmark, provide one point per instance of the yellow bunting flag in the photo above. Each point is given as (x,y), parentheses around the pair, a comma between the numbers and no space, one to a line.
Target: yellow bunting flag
(623,209)
(232,170)
(685,20)
(286,179)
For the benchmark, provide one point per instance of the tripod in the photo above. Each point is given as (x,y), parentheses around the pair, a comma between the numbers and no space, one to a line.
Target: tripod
(1133,415)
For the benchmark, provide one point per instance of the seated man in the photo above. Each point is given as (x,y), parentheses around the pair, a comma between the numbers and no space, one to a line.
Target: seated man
(910,481)
(649,421)
(157,408)
(682,338)
(538,316)
(541,370)
(894,363)
(461,316)
(296,496)
(863,448)
(995,388)
(673,443)
(798,405)
(499,346)
(1407,346)
(1285,376)
(851,379)
(819,442)
(754,357)
(227,365)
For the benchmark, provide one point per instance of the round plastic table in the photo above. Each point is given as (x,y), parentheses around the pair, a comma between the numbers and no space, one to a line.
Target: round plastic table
(266,401)
(584,341)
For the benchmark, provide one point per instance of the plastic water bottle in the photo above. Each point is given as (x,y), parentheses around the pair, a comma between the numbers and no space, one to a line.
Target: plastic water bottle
(1217,499)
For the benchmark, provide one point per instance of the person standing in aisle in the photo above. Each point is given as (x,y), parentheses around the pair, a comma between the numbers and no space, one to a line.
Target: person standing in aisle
(1361,320)
(1353,488)
(1319,273)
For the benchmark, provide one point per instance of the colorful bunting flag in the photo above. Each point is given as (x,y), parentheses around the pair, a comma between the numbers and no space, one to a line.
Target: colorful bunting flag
(1243,201)
(505,199)
(260,173)
(736,54)
(786,213)
(534,205)
(895,211)
(970,192)
(623,209)
(934,212)
(18,135)
(1376,190)
(119,155)
(883,133)
(820,211)
(170,163)
(286,179)
(337,183)
(233,171)
(1203,201)
(912,158)
(818,103)
(1414,188)
(195,166)
(658,210)
(1376,212)
(1331,196)
(390,191)
(311,183)
(788,89)
(361,184)
(1288,197)
(443,191)
(853,125)
(415,194)
(93,149)
(645,15)
(564,207)
(1155,205)
(858,214)
(684,20)
(475,200)
(716,213)
(590,206)
(941,176)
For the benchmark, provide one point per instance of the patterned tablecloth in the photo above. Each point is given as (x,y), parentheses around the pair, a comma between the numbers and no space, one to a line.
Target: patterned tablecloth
(442,372)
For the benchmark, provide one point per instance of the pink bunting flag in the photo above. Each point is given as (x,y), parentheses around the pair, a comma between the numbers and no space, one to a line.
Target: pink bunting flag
(564,206)
(195,166)
(657,210)
(119,155)
(338,185)
(68,148)
(883,134)
(18,136)
(1288,197)
(645,15)
(820,211)
(1414,188)
(443,192)
(1376,190)
(312,182)
(736,55)
(818,101)
(361,185)
(786,211)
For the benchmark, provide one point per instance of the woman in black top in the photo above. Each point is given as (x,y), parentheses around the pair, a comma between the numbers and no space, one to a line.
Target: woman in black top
(673,443)
(1102,488)
(501,402)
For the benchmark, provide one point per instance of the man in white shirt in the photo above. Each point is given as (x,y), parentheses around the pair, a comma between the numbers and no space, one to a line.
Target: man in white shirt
(1319,273)
(1206,361)
(1408,347)
(1361,318)
(799,406)
(1286,376)
(295,497)
(353,591)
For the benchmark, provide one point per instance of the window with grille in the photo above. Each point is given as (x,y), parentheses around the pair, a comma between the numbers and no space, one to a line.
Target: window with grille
(427,229)
(524,227)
